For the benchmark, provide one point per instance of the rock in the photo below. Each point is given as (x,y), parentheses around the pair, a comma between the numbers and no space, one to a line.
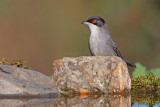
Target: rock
(19,81)
(93,73)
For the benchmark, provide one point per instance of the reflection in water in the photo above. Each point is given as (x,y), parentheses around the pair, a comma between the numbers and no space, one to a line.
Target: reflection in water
(112,101)
(28,102)
(78,101)
(145,100)
(84,101)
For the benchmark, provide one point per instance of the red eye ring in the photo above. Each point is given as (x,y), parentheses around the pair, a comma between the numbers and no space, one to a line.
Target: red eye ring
(93,21)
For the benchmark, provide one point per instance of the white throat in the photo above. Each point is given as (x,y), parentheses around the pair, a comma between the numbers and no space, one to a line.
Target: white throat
(94,29)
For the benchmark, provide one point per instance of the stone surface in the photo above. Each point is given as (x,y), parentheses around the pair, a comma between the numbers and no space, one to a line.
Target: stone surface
(19,81)
(104,73)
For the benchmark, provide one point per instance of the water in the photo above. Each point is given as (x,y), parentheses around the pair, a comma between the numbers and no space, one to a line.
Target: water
(85,101)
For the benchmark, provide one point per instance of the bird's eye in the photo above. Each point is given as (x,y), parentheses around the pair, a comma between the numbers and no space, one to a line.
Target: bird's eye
(93,21)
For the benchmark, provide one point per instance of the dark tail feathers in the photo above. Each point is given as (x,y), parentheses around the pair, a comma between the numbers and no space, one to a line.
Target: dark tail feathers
(128,63)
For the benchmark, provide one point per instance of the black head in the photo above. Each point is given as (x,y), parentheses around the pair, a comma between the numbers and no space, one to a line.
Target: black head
(96,20)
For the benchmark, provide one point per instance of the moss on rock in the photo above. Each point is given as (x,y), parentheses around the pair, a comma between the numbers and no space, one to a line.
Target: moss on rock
(17,63)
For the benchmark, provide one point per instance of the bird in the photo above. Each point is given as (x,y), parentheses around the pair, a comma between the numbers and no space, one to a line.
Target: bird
(101,42)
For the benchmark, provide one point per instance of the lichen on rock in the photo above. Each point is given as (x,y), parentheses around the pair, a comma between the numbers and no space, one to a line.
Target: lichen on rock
(108,74)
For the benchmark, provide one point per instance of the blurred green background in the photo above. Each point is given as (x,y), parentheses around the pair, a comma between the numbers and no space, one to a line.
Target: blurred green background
(40,31)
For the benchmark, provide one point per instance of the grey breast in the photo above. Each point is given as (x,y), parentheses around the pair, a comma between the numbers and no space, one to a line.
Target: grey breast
(101,43)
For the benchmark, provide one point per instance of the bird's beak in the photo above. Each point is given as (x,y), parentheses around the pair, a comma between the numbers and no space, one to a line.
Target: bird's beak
(84,22)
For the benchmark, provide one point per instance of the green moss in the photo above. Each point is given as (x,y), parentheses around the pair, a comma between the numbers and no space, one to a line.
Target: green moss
(69,92)
(145,81)
(51,76)
(17,63)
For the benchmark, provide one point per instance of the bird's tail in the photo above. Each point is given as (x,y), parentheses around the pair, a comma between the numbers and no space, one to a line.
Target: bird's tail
(128,63)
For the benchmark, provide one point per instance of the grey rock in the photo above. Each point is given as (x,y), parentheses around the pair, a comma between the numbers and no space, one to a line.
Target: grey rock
(91,74)
(19,81)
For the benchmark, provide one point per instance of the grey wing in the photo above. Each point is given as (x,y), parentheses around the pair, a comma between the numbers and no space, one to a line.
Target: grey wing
(115,48)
